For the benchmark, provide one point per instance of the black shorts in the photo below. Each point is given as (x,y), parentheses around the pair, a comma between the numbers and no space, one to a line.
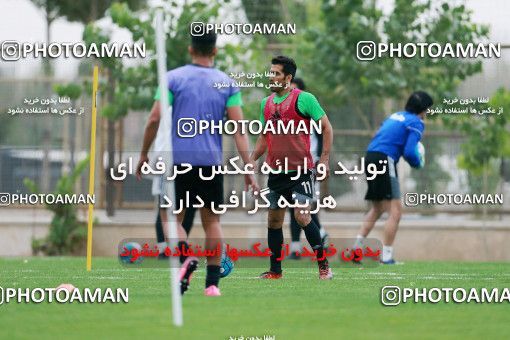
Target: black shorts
(208,190)
(384,186)
(302,188)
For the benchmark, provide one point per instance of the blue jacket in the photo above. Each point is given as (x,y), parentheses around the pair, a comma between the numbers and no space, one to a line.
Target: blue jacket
(398,136)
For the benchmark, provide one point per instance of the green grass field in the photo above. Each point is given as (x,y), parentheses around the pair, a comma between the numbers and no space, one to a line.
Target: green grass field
(296,307)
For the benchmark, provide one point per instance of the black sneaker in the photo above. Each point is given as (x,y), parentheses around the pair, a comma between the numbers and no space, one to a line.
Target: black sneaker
(187,268)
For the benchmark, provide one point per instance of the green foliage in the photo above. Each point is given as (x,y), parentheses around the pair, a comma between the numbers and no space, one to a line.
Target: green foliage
(66,232)
(115,110)
(476,182)
(433,178)
(5,127)
(51,8)
(117,102)
(272,11)
(328,53)
(501,99)
(134,87)
(86,11)
(73,91)
(488,137)
(363,88)
(487,141)
(413,21)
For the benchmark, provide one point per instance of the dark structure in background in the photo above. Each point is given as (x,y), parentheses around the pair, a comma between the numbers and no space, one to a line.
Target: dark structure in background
(18,164)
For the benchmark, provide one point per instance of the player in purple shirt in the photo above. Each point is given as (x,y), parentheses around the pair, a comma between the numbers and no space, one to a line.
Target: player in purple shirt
(193,96)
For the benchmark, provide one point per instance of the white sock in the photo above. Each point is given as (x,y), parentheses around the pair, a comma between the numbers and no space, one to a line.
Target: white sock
(295,246)
(322,232)
(162,246)
(387,253)
(359,242)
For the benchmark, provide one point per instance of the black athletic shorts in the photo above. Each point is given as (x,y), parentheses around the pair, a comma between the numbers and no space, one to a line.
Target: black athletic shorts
(303,188)
(208,190)
(383,186)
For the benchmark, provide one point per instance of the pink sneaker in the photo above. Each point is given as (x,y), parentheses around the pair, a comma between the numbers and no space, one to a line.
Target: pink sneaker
(325,272)
(187,268)
(212,291)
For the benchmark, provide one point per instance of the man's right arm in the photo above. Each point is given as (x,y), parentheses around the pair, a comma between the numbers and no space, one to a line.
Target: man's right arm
(148,137)
(261,144)
(410,149)
(260,148)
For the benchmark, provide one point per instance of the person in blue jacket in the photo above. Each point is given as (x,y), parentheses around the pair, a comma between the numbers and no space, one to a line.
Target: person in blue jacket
(399,135)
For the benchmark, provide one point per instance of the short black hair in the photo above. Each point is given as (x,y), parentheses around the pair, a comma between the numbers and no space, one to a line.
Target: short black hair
(300,84)
(418,102)
(204,44)
(289,65)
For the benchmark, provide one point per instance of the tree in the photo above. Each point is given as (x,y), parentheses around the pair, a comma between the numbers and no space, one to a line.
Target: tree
(329,53)
(73,92)
(365,90)
(132,88)
(86,11)
(66,232)
(487,142)
(51,10)
(83,11)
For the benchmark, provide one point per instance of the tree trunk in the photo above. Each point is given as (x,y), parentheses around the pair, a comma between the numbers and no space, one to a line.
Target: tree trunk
(120,142)
(45,171)
(93,10)
(110,187)
(110,146)
(66,145)
(47,61)
(72,140)
(46,165)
